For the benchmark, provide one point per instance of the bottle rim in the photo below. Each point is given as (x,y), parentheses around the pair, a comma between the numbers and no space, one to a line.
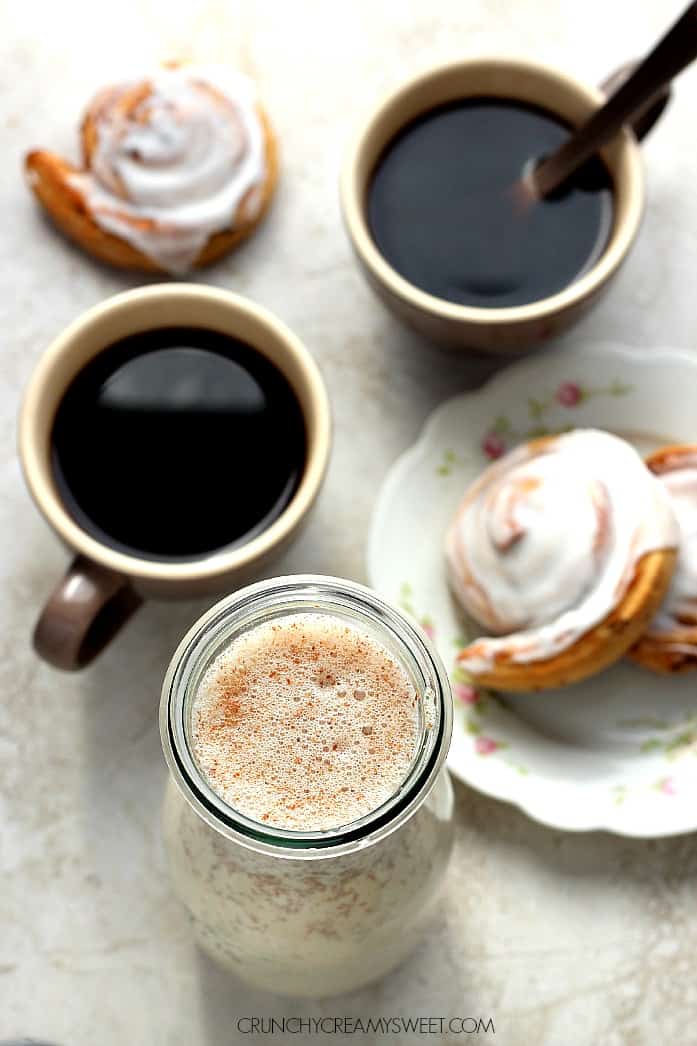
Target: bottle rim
(266,600)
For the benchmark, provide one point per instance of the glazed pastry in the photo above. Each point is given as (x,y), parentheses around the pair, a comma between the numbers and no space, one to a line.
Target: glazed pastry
(561,552)
(177,169)
(670,643)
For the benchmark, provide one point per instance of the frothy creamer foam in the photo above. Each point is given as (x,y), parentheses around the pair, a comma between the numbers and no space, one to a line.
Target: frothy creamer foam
(305,723)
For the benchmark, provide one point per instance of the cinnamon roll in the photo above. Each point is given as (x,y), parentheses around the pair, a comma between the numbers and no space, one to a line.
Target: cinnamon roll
(178,168)
(561,552)
(670,642)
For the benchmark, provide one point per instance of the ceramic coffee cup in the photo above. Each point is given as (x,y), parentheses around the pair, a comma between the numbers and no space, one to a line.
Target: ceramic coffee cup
(103,586)
(502,330)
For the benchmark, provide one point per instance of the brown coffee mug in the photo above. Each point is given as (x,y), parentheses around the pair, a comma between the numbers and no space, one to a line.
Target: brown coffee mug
(503,330)
(103,585)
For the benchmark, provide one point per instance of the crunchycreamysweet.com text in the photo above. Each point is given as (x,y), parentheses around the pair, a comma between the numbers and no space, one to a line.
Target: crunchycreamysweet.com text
(380,1025)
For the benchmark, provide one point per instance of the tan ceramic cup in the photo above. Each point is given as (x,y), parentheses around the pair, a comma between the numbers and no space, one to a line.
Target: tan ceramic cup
(502,330)
(104,586)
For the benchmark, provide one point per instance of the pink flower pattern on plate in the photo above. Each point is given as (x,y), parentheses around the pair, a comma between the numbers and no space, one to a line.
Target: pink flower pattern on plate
(508,430)
(466,693)
(569,394)
(493,446)
(485,745)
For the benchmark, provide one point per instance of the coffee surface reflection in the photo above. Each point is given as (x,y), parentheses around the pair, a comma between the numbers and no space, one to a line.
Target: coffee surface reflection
(177,442)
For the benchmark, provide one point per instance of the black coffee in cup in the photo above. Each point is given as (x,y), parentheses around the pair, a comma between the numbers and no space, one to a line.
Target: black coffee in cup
(443,213)
(177,442)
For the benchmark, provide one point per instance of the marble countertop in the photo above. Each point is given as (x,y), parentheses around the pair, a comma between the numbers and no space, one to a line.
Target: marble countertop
(563,939)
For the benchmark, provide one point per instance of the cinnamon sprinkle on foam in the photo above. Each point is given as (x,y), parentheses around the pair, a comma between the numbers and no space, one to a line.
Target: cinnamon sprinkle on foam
(305,724)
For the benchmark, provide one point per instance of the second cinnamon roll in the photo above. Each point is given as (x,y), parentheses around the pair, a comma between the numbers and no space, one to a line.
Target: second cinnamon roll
(669,644)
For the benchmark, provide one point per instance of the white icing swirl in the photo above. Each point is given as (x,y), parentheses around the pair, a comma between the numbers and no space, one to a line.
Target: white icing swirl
(679,608)
(173,171)
(546,541)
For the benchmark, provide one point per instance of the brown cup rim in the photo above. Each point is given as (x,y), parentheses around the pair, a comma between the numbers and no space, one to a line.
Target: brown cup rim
(353,192)
(118,310)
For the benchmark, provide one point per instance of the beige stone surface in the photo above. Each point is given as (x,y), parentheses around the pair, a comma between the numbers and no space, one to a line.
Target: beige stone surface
(564,940)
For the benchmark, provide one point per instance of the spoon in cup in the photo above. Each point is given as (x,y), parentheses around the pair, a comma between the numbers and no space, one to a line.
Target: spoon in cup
(676,50)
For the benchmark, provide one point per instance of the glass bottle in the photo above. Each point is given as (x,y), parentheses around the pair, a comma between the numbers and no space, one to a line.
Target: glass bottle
(300,912)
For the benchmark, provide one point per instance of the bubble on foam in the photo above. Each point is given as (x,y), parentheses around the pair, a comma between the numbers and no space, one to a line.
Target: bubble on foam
(281,735)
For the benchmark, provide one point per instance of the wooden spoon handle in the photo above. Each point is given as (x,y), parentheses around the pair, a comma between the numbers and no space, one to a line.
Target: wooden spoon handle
(669,57)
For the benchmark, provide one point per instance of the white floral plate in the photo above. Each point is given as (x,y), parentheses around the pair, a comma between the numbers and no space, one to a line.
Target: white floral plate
(618,751)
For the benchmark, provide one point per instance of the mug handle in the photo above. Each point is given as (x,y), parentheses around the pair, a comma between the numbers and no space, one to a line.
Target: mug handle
(646,117)
(83,613)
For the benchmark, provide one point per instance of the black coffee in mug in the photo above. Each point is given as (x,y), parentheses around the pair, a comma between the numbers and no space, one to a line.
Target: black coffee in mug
(177,442)
(443,214)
